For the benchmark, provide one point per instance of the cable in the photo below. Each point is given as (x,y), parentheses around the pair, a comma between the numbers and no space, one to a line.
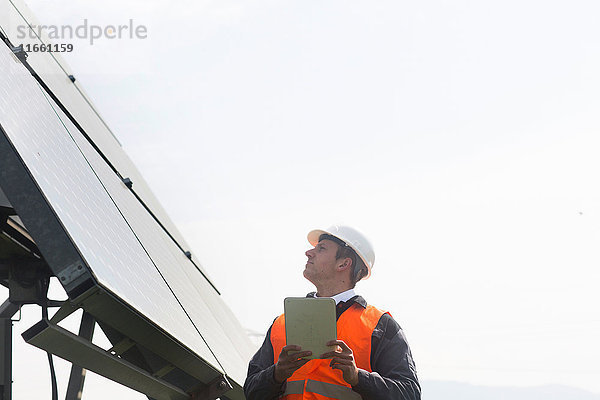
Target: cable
(53,377)
(50,360)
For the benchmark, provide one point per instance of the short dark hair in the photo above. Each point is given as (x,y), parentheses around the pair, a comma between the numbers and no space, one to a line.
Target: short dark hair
(359,269)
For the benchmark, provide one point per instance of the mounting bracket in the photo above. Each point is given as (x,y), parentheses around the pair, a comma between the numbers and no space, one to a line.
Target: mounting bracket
(214,389)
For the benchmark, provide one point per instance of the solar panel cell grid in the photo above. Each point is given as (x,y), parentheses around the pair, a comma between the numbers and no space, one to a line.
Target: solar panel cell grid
(84,207)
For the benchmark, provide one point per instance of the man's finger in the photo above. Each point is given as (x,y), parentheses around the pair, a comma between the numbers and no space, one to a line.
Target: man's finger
(299,363)
(339,361)
(341,367)
(336,354)
(294,356)
(344,356)
(340,343)
(290,347)
(302,354)
(286,350)
(292,367)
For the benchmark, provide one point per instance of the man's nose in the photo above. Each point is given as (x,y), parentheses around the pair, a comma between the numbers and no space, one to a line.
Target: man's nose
(309,253)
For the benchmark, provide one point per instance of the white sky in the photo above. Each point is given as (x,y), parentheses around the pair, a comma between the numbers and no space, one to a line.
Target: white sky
(461,136)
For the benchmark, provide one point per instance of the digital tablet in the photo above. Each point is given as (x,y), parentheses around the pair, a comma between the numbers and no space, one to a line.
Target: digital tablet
(310,323)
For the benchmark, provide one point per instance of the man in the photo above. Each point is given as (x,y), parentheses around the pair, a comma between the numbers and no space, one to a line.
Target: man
(371,359)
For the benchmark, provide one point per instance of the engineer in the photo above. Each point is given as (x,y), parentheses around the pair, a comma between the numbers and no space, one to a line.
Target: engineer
(371,360)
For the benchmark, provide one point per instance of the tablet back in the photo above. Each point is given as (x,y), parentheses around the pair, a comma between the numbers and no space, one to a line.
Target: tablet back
(310,323)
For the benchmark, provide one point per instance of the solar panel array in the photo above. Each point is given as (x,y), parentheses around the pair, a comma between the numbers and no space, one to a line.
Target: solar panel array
(124,246)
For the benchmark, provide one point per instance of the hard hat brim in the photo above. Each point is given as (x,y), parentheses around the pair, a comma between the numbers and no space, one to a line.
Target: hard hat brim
(314,235)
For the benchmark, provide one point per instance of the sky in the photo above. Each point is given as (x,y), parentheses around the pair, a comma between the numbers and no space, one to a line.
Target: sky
(461,137)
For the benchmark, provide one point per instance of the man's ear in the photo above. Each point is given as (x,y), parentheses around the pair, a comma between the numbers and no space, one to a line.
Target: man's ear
(345,264)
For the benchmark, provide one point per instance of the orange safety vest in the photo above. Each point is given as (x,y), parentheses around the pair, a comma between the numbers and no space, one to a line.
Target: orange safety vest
(316,380)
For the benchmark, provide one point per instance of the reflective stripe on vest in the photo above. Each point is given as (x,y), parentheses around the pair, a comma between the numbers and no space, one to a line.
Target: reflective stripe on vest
(329,390)
(294,387)
(332,390)
(355,327)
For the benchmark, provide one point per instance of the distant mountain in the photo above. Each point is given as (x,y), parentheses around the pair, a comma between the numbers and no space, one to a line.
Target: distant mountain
(440,390)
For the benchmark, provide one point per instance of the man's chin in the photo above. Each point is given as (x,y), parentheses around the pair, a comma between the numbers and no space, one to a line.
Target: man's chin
(308,276)
(306,273)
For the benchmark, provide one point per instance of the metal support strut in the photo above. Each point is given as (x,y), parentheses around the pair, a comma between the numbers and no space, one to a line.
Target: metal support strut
(7,310)
(77,378)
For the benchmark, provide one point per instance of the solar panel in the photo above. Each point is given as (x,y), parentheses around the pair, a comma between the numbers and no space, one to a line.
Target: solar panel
(121,245)
(55,74)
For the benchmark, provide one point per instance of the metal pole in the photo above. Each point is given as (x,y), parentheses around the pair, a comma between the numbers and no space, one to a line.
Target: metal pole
(77,378)
(7,310)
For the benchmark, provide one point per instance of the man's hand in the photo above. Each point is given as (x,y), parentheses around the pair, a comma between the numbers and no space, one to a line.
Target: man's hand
(287,363)
(343,359)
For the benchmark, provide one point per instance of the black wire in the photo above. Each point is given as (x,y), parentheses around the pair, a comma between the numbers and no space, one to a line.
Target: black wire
(53,377)
(50,360)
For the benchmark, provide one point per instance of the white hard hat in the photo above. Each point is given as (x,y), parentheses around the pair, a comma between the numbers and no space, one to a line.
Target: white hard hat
(353,238)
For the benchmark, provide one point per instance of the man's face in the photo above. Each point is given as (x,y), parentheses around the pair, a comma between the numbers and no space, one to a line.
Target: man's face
(321,263)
